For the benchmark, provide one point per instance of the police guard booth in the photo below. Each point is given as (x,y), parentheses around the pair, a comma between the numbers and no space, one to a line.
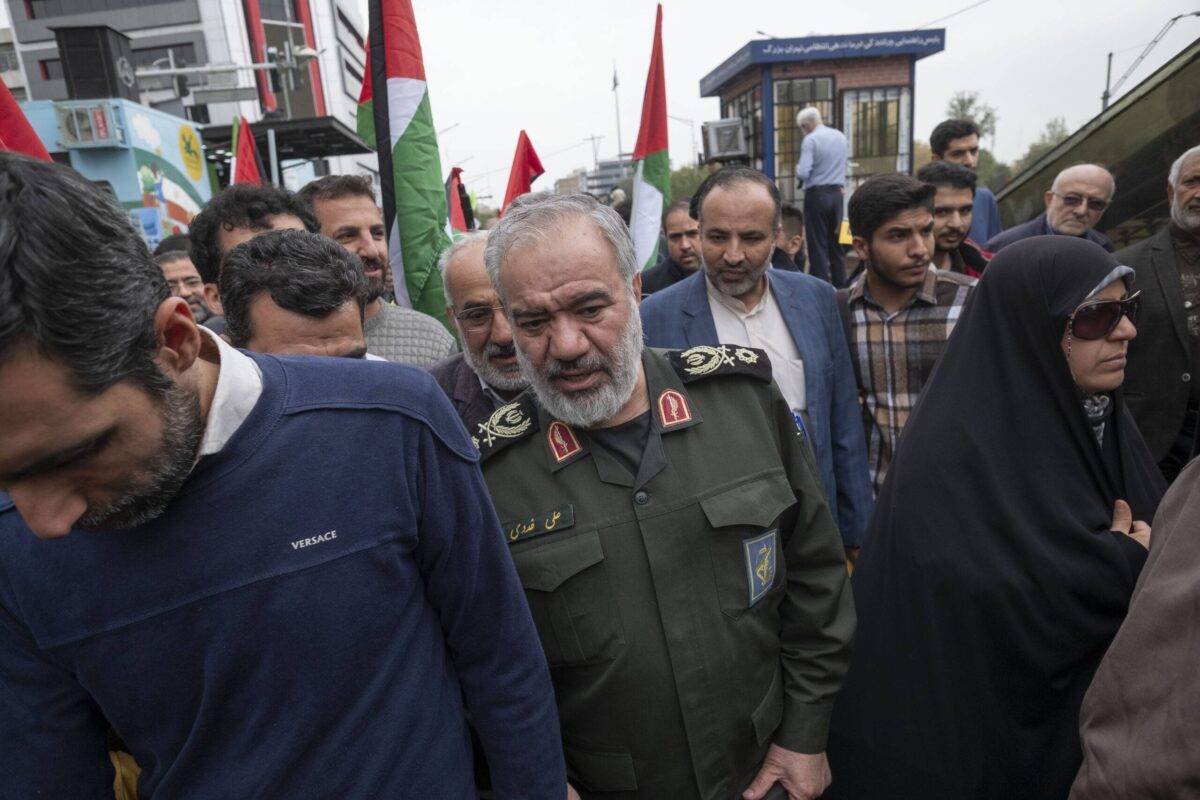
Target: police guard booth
(862,83)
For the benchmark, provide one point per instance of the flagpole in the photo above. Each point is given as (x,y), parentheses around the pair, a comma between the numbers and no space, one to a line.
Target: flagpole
(617,103)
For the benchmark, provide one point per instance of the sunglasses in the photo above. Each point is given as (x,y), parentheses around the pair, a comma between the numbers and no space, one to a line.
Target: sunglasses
(1099,319)
(1074,201)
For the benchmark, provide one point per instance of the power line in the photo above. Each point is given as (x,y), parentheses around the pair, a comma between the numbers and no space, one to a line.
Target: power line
(955,14)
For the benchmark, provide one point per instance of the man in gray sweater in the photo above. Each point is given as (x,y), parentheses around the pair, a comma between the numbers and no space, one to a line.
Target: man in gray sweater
(345,208)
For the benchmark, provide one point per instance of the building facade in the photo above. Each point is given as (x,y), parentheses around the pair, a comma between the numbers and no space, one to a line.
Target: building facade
(863,85)
(600,182)
(180,33)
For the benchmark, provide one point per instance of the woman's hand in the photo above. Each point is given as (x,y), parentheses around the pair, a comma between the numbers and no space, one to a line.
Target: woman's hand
(1123,522)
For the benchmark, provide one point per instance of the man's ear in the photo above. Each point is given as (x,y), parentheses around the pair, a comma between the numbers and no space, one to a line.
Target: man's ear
(212,299)
(637,287)
(178,336)
(1049,198)
(862,248)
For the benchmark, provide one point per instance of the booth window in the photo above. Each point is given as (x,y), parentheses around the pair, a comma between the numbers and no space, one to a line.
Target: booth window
(877,124)
(791,95)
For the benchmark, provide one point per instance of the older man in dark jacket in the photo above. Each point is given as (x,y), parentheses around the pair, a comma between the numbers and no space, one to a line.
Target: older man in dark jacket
(484,376)
(1074,204)
(1162,377)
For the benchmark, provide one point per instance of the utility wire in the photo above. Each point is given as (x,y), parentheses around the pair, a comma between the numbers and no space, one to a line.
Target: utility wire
(955,14)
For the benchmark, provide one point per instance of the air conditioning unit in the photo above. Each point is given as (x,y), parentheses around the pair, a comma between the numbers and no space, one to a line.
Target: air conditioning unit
(725,140)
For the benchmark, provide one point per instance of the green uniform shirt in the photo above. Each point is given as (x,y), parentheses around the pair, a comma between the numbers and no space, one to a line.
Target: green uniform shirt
(693,613)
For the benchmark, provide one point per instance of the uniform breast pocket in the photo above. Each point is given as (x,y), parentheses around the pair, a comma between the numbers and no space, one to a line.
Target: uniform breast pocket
(571,598)
(747,540)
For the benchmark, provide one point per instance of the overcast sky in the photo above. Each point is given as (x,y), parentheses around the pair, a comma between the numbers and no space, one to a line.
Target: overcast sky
(546,66)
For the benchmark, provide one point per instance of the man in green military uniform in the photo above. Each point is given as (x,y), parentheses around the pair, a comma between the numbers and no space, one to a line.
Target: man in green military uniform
(669,527)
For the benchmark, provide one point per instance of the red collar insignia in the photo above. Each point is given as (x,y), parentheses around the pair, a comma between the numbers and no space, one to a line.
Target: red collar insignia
(673,409)
(563,441)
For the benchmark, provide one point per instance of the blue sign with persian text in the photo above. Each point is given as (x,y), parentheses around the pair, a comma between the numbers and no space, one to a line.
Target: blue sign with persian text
(817,48)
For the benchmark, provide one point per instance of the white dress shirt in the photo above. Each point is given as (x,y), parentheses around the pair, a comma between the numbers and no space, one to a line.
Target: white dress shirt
(763,327)
(239,385)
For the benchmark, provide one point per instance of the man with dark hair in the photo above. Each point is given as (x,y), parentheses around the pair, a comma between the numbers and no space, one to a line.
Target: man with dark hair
(294,293)
(736,300)
(345,209)
(184,281)
(824,155)
(899,313)
(683,249)
(956,141)
(270,575)
(174,243)
(1075,202)
(236,214)
(953,210)
(789,241)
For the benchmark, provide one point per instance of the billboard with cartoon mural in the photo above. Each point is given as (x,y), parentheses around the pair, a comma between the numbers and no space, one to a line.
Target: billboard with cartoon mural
(152,161)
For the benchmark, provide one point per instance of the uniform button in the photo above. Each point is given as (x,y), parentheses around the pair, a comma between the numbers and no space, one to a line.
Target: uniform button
(1187,376)
(641,498)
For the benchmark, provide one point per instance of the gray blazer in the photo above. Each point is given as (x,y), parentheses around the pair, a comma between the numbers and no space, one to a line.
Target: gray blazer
(1159,373)
(461,385)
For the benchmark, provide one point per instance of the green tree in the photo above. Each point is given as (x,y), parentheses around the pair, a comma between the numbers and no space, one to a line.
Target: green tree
(1050,137)
(992,173)
(685,180)
(966,105)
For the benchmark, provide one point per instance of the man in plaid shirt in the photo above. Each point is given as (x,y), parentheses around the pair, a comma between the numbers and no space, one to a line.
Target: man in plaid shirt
(900,311)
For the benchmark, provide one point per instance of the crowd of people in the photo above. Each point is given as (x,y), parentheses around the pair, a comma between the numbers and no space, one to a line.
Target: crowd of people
(744,524)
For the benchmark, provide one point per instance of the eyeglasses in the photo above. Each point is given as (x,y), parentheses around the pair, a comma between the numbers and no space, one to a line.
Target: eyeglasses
(1099,319)
(185,283)
(478,318)
(1074,201)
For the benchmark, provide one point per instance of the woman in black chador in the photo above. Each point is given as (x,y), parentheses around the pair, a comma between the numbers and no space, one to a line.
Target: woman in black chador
(994,575)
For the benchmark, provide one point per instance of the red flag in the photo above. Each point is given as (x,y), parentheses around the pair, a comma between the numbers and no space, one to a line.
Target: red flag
(526,167)
(652,135)
(462,217)
(16,135)
(244,168)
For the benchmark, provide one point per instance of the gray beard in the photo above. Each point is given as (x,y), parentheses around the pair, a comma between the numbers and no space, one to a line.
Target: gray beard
(504,381)
(1187,220)
(590,407)
(741,287)
(158,479)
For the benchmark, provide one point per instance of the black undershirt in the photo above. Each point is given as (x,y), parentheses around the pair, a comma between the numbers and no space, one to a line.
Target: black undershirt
(625,442)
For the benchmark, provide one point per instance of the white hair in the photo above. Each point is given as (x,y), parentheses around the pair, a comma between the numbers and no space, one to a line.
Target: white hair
(1177,166)
(809,114)
(457,246)
(538,220)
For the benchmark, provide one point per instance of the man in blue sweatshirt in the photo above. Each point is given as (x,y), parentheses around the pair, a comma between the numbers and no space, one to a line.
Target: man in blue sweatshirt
(270,577)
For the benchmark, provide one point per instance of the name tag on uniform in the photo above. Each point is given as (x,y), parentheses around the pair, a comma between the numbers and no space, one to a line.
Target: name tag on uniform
(556,519)
(760,555)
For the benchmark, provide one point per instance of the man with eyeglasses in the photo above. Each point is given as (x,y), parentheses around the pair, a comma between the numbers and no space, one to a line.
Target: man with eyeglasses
(184,281)
(485,375)
(1076,201)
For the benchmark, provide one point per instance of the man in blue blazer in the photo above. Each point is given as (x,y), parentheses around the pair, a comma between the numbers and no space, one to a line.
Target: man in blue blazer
(735,299)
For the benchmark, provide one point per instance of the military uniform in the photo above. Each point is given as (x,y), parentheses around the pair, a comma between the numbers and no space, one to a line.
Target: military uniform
(691,612)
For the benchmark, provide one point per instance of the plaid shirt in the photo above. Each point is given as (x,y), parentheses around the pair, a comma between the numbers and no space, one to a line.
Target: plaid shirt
(894,354)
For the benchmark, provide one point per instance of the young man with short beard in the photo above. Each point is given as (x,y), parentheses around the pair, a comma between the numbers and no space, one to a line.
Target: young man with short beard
(485,375)
(345,209)
(273,577)
(667,521)
(899,313)
(953,210)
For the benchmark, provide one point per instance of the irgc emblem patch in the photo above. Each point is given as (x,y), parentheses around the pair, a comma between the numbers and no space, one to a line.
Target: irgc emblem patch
(760,555)
(508,422)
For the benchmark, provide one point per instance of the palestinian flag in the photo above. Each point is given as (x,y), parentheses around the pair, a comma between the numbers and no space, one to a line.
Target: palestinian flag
(16,134)
(652,175)
(243,168)
(394,117)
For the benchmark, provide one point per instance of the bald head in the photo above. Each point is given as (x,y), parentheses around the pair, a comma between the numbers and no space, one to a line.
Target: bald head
(1078,197)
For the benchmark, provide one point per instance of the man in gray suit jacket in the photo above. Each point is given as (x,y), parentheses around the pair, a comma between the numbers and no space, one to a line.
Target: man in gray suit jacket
(1162,379)
(485,375)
